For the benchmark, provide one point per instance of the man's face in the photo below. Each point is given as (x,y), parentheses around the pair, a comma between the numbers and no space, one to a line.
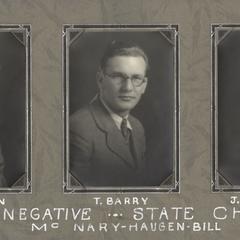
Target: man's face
(117,87)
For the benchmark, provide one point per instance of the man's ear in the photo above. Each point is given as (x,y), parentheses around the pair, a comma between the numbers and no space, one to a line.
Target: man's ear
(99,75)
(144,85)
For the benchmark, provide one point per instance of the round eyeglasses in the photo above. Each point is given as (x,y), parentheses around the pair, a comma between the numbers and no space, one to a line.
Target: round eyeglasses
(119,78)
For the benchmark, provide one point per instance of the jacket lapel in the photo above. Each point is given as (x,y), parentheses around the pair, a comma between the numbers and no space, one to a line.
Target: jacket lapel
(114,138)
(137,145)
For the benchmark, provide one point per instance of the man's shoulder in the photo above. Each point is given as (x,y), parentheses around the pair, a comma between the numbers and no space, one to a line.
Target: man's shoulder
(81,114)
(81,119)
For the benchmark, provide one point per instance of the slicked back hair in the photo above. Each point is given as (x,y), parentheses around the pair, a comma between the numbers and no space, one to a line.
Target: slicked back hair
(119,48)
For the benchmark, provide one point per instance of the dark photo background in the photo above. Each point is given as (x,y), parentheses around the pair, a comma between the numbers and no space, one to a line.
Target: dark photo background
(12,105)
(228,105)
(156,108)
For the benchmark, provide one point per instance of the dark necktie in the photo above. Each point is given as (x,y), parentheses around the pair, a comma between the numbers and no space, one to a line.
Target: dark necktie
(124,129)
(126,132)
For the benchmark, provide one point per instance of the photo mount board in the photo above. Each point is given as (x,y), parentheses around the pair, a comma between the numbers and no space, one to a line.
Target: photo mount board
(77,41)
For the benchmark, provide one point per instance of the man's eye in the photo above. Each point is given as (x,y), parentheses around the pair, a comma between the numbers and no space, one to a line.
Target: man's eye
(137,78)
(117,76)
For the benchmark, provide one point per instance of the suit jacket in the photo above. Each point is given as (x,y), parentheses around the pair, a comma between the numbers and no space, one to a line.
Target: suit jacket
(99,155)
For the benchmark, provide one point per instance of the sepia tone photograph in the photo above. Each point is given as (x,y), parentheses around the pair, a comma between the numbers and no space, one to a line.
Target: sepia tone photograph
(226,114)
(121,108)
(15,115)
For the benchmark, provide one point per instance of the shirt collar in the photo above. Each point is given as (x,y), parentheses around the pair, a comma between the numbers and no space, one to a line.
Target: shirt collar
(116,118)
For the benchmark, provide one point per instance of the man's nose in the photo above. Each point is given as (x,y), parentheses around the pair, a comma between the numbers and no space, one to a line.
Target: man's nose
(128,84)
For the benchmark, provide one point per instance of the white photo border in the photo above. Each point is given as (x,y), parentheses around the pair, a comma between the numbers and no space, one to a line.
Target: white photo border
(25,29)
(67,188)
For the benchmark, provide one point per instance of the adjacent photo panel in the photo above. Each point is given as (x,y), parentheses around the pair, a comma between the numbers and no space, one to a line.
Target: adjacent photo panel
(15,108)
(225,107)
(121,108)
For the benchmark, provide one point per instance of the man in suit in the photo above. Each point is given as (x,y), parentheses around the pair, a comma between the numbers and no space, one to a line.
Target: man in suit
(107,144)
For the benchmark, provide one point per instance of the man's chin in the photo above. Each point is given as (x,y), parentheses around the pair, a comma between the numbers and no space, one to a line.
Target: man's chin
(125,107)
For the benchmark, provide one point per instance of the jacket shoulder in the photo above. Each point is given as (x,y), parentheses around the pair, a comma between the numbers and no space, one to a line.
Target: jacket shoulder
(81,121)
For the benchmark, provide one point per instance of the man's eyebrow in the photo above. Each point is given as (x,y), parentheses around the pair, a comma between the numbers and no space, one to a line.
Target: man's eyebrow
(124,74)
(120,73)
(137,75)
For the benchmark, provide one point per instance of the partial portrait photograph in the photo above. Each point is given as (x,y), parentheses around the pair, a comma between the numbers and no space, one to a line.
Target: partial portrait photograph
(225,109)
(15,116)
(121,108)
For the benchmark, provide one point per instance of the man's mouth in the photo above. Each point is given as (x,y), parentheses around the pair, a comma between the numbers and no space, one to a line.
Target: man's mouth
(126,98)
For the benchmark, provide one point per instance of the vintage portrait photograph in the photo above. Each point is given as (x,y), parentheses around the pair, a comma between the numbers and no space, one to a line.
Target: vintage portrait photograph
(15,116)
(121,108)
(226,111)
